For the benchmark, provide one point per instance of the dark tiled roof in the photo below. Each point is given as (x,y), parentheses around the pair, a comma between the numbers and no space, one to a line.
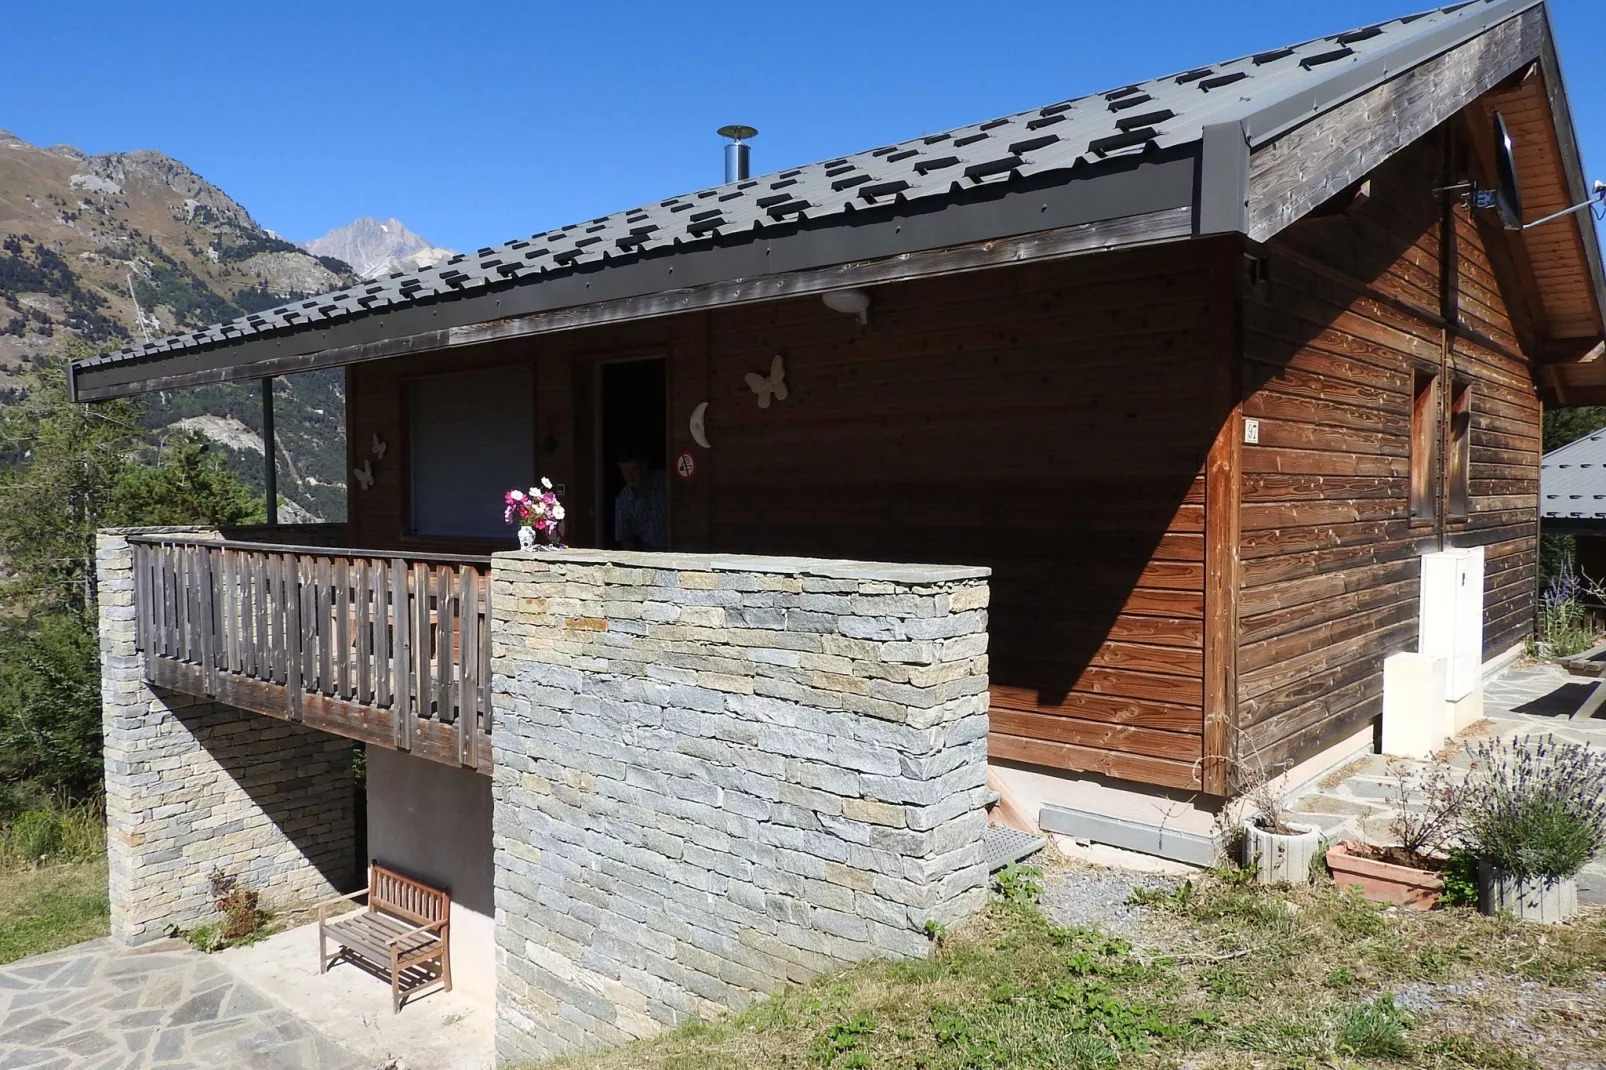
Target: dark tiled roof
(1130,120)
(1572,480)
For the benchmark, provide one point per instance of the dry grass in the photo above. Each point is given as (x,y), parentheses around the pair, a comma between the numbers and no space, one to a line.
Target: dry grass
(51,907)
(1225,975)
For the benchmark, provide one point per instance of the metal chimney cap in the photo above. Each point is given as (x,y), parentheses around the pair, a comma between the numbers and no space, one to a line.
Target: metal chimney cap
(737,133)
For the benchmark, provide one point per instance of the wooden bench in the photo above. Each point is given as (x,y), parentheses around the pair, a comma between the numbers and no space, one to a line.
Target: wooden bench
(404,933)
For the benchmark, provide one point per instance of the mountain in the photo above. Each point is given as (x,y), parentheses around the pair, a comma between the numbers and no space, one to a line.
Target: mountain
(373,248)
(120,247)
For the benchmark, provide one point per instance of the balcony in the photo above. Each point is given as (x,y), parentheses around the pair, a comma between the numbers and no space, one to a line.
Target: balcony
(389,649)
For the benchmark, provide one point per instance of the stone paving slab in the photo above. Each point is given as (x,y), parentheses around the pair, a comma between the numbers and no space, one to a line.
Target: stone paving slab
(1530,698)
(163,1006)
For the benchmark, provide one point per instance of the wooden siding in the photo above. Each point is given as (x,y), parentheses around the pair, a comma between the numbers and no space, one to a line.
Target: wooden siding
(1356,300)
(1051,421)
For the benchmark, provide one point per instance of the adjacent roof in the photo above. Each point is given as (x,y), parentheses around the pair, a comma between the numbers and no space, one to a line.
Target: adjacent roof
(1572,483)
(1130,151)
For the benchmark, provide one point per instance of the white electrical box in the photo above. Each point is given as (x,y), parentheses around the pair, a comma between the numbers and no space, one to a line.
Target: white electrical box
(1451,617)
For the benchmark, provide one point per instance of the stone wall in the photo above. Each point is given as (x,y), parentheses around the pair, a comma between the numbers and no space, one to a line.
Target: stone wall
(718,774)
(194,785)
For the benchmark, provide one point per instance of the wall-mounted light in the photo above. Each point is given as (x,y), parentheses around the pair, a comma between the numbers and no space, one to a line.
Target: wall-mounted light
(849,303)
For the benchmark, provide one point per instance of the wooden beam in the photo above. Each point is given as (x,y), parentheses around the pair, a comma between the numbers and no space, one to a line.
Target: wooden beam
(1172,224)
(353,720)
(1572,351)
(1290,176)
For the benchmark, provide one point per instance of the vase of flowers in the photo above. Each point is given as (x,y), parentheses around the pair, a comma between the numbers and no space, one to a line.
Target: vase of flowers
(539,515)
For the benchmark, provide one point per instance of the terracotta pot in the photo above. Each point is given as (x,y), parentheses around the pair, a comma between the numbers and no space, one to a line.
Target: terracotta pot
(1384,882)
(1275,858)
(1546,900)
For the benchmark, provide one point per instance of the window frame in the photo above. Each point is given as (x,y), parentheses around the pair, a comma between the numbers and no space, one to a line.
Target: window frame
(1458,456)
(1424,445)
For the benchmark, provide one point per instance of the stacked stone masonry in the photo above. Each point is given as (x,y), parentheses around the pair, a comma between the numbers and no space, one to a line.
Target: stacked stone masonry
(717,774)
(194,786)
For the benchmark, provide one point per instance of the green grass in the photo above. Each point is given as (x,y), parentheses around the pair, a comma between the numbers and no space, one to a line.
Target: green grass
(51,907)
(1226,975)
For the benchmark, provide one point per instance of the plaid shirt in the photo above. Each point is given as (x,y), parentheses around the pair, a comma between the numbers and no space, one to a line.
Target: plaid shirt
(640,514)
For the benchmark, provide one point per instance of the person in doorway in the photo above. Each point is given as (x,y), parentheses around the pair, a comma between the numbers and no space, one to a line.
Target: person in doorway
(639,510)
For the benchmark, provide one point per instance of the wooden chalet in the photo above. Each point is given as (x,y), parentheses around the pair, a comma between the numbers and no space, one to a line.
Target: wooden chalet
(1199,366)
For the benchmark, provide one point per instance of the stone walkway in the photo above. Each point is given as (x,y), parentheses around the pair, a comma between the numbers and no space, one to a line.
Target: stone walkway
(165,1006)
(1528,699)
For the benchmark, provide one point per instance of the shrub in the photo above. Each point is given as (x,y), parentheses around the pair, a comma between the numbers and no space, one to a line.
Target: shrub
(240,907)
(1565,625)
(1425,829)
(1536,809)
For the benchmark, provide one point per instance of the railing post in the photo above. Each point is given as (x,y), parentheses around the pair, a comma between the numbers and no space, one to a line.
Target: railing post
(290,566)
(421,637)
(402,658)
(468,659)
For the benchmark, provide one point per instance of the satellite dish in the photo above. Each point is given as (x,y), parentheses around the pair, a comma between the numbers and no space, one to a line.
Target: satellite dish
(1507,193)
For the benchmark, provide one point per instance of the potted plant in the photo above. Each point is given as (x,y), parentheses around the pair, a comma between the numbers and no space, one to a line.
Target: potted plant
(539,515)
(1428,805)
(1536,815)
(1276,850)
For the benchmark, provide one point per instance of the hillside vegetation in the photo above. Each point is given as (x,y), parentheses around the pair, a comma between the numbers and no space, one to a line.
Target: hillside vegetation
(118,248)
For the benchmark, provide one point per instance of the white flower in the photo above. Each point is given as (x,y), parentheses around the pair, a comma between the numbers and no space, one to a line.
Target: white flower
(557,512)
(516,495)
(545,482)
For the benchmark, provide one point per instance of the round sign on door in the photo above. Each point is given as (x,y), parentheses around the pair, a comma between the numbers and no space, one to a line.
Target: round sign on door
(685,465)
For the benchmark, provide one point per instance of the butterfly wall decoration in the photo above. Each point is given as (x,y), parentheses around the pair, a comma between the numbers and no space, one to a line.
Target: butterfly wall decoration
(364,474)
(769,386)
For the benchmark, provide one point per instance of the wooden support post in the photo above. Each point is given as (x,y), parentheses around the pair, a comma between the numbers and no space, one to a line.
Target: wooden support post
(270,461)
(1223,491)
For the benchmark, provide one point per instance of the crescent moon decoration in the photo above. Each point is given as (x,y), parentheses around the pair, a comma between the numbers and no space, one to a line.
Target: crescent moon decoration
(699,432)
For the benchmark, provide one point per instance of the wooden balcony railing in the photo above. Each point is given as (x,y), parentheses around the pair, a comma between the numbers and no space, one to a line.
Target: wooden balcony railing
(392,650)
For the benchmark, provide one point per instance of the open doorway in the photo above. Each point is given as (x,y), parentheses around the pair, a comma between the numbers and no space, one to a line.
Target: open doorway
(631,401)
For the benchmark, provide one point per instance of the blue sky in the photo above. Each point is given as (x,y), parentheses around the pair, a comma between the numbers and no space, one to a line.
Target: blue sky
(496,119)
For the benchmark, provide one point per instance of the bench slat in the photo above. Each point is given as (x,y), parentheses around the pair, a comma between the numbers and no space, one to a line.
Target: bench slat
(367,934)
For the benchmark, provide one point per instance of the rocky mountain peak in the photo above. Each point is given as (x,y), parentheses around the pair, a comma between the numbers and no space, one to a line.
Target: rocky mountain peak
(373,247)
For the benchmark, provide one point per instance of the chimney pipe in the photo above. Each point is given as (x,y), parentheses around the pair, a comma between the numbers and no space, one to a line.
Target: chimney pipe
(736,151)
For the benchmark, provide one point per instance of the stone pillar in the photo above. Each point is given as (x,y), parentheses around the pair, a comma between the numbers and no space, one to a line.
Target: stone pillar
(194,785)
(716,775)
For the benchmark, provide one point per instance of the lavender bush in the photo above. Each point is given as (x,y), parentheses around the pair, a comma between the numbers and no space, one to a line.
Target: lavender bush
(1565,624)
(1536,808)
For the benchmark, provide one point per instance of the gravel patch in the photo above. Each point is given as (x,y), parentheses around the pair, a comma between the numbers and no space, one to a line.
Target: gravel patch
(1099,897)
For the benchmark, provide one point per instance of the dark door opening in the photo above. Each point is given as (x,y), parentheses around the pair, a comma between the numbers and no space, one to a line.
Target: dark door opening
(631,402)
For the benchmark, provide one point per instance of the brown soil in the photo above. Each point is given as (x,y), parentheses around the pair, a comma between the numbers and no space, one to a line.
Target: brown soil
(1395,856)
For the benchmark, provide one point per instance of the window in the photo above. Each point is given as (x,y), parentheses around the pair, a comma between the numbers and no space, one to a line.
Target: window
(472,439)
(1424,445)
(1458,465)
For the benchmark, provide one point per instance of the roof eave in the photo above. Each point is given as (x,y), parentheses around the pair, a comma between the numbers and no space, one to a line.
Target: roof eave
(1159,185)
